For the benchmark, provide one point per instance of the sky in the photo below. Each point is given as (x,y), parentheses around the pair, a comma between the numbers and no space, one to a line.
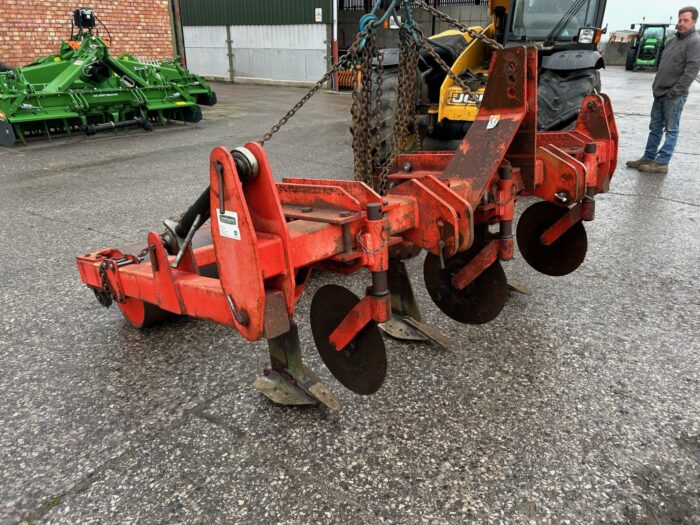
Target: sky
(619,14)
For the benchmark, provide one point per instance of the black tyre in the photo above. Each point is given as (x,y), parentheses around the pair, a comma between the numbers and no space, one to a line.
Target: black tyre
(389,108)
(631,59)
(560,94)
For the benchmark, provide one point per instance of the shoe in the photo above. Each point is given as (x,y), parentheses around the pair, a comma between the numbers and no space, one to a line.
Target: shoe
(636,163)
(653,167)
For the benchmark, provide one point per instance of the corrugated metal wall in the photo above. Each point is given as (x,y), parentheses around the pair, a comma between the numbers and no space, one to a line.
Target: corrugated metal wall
(253,12)
(207,52)
(278,40)
(290,53)
(294,53)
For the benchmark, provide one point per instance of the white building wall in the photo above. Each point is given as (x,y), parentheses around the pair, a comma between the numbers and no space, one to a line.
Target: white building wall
(206,51)
(283,53)
(291,52)
(469,15)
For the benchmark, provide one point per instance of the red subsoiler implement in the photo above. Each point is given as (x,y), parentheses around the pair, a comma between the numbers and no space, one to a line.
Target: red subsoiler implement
(248,269)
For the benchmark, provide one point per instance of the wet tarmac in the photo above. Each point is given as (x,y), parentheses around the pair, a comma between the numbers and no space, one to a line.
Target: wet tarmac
(579,404)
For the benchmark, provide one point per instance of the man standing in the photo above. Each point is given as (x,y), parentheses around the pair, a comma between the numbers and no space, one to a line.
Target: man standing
(679,66)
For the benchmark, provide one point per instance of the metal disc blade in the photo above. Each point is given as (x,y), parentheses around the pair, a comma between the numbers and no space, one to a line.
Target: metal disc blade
(479,302)
(7,134)
(361,365)
(141,314)
(564,255)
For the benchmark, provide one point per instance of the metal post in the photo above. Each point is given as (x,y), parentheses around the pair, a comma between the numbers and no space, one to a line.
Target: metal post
(432,31)
(171,12)
(380,283)
(334,45)
(229,52)
(179,37)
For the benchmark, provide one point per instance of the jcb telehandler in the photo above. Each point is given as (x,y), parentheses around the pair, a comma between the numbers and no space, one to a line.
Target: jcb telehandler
(564,32)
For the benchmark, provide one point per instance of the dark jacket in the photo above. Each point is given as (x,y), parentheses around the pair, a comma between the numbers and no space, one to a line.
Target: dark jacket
(679,65)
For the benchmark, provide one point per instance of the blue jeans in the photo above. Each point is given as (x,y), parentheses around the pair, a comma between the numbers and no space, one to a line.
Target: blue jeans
(665,115)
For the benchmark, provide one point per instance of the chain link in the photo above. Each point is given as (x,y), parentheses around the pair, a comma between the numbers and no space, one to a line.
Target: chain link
(351,53)
(105,295)
(378,118)
(362,141)
(367,114)
(405,118)
(446,68)
(456,23)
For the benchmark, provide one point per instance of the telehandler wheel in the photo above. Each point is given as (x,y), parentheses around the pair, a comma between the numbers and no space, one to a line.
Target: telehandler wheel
(560,94)
(389,108)
(479,302)
(361,365)
(561,257)
(390,93)
(141,314)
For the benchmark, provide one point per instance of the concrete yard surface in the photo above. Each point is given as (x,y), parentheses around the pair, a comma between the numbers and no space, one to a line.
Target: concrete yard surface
(580,404)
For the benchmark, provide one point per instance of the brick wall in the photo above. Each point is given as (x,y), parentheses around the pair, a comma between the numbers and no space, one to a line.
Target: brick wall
(34,28)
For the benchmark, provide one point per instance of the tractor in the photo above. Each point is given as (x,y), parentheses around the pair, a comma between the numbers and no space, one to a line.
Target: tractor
(647,48)
(565,34)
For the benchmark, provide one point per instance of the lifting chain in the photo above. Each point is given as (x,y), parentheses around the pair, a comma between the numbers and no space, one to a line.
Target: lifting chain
(405,118)
(446,68)
(456,23)
(367,114)
(364,139)
(351,53)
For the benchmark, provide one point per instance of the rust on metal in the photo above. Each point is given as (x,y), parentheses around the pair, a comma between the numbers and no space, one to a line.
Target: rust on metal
(248,268)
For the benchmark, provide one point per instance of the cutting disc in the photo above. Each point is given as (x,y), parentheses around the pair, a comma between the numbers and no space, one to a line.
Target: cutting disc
(141,314)
(479,302)
(361,365)
(564,255)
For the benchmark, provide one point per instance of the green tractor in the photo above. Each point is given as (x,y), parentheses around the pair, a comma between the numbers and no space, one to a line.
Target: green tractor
(84,88)
(647,48)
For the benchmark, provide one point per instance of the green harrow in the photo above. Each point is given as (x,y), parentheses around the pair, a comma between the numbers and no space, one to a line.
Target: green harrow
(83,88)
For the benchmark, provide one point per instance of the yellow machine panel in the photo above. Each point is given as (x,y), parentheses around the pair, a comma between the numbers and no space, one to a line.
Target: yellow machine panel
(454,104)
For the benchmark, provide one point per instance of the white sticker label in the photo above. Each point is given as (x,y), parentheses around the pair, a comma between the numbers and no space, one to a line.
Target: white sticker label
(319,14)
(493,121)
(228,225)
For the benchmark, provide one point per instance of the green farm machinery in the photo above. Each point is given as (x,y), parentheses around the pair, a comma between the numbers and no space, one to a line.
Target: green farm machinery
(83,88)
(647,48)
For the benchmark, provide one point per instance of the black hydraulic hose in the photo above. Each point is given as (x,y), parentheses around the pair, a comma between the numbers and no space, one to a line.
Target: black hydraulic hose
(200,207)
(105,27)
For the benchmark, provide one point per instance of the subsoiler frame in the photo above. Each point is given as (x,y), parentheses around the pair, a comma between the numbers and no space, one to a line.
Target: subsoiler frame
(267,236)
